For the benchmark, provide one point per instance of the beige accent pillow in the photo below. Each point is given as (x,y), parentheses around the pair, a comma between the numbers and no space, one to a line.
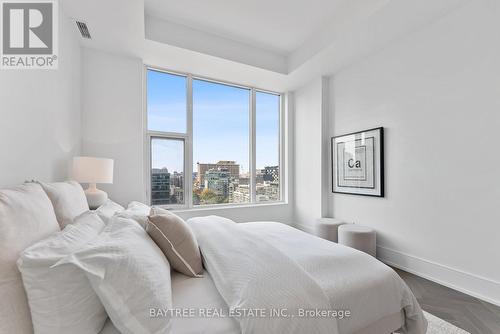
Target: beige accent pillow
(26,216)
(68,199)
(176,240)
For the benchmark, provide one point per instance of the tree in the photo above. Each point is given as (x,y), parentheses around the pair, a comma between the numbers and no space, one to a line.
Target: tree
(208,196)
(221,199)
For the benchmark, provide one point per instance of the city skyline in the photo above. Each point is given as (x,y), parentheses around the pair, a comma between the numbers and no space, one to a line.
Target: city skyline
(243,173)
(215,183)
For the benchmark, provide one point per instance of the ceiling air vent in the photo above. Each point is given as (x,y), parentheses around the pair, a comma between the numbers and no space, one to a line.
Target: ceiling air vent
(83,29)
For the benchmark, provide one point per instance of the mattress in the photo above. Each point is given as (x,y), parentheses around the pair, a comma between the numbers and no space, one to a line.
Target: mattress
(200,293)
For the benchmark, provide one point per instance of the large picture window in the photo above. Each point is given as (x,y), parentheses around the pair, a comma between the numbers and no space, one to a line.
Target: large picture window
(225,138)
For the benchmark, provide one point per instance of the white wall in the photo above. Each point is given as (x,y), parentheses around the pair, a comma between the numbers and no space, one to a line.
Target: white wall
(40,116)
(437,93)
(310,161)
(112,119)
(112,125)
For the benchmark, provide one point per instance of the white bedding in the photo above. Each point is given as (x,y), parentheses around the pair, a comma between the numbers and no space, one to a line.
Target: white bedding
(374,293)
(109,328)
(350,280)
(194,293)
(201,293)
(254,277)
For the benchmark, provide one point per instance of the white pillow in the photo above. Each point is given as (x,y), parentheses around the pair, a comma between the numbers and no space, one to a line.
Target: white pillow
(26,216)
(61,299)
(68,199)
(108,210)
(129,274)
(138,212)
(139,207)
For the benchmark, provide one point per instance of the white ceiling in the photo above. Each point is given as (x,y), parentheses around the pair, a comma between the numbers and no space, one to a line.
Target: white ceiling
(280,26)
(272,45)
(276,35)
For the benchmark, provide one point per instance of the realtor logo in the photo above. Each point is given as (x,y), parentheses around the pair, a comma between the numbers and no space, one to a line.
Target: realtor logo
(29,34)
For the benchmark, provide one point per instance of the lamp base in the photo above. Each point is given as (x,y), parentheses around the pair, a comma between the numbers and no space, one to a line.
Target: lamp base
(95,197)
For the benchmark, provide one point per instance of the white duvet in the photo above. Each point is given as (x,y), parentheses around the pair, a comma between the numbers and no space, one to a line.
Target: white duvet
(260,268)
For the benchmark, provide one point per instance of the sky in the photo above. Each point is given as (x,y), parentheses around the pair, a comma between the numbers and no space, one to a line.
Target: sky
(220,122)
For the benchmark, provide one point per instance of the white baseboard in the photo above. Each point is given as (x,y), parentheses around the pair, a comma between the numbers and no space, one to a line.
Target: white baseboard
(470,284)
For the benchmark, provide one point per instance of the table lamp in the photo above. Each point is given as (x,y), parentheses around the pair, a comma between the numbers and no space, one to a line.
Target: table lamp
(92,171)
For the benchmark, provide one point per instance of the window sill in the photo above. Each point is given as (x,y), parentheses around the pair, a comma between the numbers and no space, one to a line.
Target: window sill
(228,207)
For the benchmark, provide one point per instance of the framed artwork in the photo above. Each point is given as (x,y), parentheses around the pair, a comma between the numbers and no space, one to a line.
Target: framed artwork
(358,163)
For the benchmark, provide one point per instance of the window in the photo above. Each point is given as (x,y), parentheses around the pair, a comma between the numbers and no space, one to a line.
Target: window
(166,102)
(226,139)
(167,171)
(221,126)
(267,114)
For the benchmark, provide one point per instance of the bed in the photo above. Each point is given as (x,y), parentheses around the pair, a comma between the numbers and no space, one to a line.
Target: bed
(380,302)
(201,292)
(248,266)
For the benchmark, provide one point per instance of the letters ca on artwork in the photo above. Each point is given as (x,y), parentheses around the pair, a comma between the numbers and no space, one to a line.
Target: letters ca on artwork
(357,163)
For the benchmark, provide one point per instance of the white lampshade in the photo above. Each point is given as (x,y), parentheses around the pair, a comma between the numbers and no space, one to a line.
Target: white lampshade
(92,170)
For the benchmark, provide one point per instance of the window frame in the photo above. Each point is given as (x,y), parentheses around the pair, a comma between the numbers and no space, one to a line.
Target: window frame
(166,136)
(188,143)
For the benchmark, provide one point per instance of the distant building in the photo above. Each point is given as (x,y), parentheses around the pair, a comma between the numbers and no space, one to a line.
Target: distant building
(177,179)
(267,191)
(244,180)
(271,173)
(160,186)
(177,195)
(217,180)
(229,165)
(259,176)
(240,194)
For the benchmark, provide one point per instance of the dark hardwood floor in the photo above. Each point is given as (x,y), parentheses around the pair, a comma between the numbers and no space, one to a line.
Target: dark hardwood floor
(469,313)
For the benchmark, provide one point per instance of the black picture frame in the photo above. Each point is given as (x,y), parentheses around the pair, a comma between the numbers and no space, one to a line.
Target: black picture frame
(379,173)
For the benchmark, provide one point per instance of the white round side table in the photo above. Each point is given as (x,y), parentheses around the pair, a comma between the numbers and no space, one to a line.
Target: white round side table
(362,238)
(327,228)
